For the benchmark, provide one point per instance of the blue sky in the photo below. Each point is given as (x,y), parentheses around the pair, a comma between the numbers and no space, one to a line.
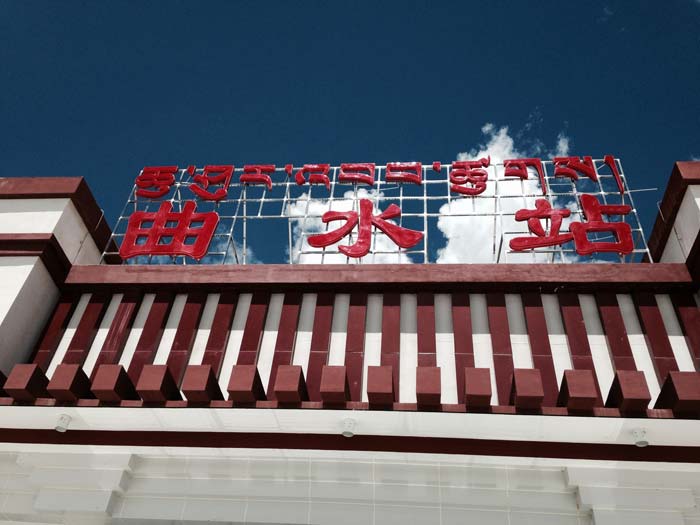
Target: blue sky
(100,89)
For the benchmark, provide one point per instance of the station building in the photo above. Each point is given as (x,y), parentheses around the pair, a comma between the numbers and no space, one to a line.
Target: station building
(327,394)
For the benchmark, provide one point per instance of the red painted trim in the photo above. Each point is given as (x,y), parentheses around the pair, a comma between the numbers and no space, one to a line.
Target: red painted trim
(402,444)
(653,325)
(180,352)
(683,175)
(254,326)
(86,330)
(576,335)
(689,316)
(426,329)
(320,343)
(462,333)
(74,188)
(54,331)
(539,344)
(151,334)
(119,330)
(391,335)
(500,342)
(382,277)
(42,245)
(220,331)
(355,343)
(286,332)
(615,331)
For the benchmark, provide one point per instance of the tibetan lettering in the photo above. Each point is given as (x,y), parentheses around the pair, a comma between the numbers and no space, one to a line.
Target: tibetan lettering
(404,172)
(211,176)
(469,177)
(155,181)
(402,237)
(318,174)
(166,232)
(355,172)
(518,168)
(572,166)
(258,174)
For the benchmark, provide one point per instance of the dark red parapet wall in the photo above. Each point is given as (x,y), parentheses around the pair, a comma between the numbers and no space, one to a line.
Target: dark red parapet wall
(381,277)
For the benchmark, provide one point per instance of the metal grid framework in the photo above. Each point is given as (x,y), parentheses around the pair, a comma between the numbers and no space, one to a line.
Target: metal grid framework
(485,222)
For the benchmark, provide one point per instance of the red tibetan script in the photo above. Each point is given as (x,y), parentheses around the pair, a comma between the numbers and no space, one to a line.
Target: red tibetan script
(318,174)
(593,212)
(403,237)
(211,175)
(258,174)
(518,168)
(355,172)
(149,233)
(155,181)
(572,166)
(469,177)
(404,172)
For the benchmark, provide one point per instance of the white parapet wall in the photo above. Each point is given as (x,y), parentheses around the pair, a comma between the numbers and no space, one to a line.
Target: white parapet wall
(40,224)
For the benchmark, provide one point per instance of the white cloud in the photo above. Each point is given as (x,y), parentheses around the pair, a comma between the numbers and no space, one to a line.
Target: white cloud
(479,239)
(313,209)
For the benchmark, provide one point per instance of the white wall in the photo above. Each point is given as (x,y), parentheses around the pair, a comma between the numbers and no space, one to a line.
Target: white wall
(57,216)
(27,298)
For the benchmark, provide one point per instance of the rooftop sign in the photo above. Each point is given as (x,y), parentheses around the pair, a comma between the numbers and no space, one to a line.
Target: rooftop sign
(567,209)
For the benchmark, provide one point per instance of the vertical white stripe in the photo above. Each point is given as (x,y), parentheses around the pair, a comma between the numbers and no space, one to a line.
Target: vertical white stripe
(640,350)
(68,334)
(339,330)
(204,329)
(233,346)
(445,348)
(166,341)
(269,338)
(600,351)
(302,343)
(136,329)
(679,345)
(408,341)
(373,337)
(102,332)
(481,337)
(561,355)
(519,341)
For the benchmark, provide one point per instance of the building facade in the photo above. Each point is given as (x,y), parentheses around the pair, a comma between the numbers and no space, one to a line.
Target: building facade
(329,394)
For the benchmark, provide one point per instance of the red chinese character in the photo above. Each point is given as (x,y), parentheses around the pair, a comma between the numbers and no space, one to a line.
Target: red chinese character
(404,172)
(318,174)
(403,237)
(572,166)
(610,162)
(593,211)
(543,210)
(469,172)
(148,233)
(159,177)
(353,172)
(258,174)
(518,168)
(200,186)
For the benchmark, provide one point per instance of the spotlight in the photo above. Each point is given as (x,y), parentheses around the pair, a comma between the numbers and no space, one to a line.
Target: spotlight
(640,437)
(62,423)
(348,427)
